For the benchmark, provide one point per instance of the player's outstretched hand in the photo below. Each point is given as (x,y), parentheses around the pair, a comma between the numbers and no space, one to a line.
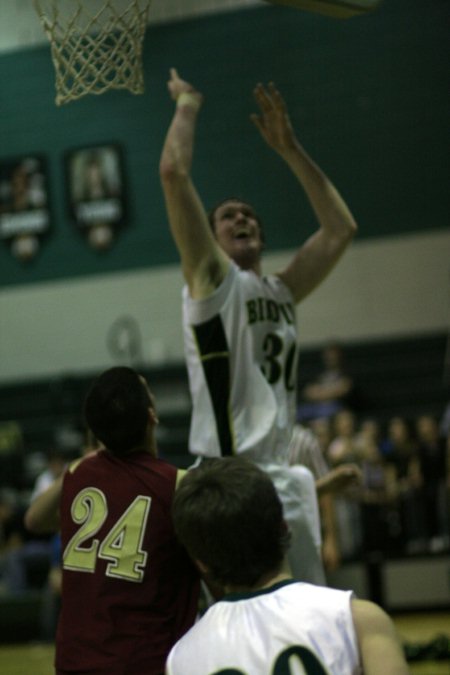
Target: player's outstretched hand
(178,86)
(344,478)
(273,119)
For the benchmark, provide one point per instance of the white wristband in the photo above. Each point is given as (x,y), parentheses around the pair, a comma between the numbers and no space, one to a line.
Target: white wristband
(189,99)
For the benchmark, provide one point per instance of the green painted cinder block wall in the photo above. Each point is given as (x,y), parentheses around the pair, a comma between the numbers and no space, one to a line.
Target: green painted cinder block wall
(368,96)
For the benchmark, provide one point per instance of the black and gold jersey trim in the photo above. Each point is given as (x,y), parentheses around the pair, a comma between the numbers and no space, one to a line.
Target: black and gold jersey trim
(215,359)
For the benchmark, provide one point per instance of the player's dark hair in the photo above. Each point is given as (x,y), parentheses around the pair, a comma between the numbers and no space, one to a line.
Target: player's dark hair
(213,210)
(116,409)
(228,515)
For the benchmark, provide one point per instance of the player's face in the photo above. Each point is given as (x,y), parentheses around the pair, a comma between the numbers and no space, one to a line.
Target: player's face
(238,233)
(147,389)
(153,418)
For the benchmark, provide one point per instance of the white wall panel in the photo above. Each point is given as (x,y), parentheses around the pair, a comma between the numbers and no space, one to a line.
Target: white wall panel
(380,289)
(20,26)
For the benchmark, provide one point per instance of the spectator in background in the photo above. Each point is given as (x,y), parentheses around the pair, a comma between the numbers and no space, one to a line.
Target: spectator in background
(434,471)
(331,391)
(379,517)
(56,464)
(305,450)
(11,455)
(344,445)
(323,431)
(11,529)
(29,556)
(368,434)
(9,518)
(343,449)
(51,595)
(399,448)
(445,421)
(25,558)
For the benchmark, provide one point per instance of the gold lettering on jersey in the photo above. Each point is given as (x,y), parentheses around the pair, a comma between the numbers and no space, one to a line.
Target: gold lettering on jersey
(264,309)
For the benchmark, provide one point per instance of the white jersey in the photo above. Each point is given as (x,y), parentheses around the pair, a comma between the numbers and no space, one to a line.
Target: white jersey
(241,348)
(270,632)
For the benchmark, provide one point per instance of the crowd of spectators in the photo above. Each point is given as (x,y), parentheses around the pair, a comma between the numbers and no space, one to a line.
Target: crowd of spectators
(402,506)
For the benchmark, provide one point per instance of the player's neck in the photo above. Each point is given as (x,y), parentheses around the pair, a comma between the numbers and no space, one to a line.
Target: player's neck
(266,581)
(283,573)
(248,260)
(148,446)
(272,580)
(254,267)
(150,442)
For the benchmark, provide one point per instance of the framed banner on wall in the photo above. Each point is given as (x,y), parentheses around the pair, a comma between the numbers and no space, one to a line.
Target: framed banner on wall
(24,204)
(96,190)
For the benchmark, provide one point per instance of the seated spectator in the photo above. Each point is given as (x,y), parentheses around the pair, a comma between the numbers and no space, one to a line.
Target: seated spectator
(332,390)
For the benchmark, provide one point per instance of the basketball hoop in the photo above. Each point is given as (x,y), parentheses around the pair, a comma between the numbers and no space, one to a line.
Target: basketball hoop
(95,46)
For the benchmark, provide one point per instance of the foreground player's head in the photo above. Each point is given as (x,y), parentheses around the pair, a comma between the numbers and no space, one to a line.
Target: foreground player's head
(119,410)
(229,517)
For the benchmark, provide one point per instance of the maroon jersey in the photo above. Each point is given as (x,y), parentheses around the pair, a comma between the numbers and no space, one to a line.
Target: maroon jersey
(129,589)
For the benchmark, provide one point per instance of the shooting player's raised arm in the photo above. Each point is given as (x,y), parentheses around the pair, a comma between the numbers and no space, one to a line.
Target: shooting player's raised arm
(319,254)
(204,264)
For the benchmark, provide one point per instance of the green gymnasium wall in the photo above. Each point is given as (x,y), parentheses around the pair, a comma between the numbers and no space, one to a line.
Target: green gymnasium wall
(368,96)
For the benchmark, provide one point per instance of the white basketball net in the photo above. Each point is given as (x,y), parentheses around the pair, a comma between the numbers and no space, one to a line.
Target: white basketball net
(95,46)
